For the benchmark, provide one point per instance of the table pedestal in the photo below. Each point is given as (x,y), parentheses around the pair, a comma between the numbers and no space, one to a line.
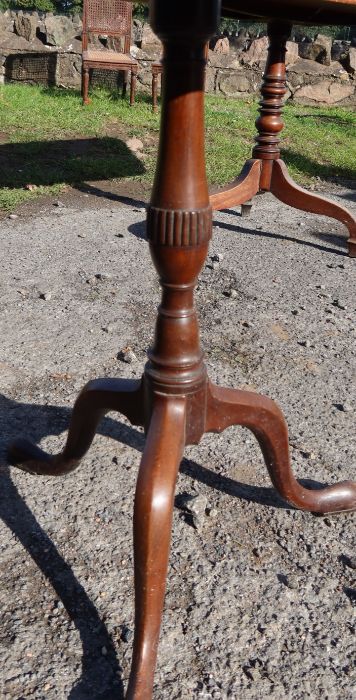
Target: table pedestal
(266,172)
(175,400)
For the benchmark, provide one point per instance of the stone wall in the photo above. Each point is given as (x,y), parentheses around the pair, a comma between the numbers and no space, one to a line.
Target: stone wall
(46,49)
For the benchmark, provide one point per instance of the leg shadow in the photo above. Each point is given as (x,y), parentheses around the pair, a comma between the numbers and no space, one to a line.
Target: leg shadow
(101,676)
(277,236)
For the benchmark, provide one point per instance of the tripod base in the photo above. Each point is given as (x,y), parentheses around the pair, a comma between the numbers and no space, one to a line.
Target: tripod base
(272,176)
(169,419)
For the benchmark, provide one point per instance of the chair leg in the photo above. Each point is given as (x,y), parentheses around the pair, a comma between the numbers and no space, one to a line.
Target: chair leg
(152,533)
(124,82)
(85,85)
(97,398)
(154,92)
(264,418)
(133,87)
(287,191)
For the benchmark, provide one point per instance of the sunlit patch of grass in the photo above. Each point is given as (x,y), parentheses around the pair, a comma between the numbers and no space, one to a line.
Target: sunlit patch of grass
(41,130)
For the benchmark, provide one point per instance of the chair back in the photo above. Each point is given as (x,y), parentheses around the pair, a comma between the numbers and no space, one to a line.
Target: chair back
(110,17)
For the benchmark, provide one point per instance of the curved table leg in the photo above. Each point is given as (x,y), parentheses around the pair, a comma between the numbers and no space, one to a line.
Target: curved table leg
(264,418)
(96,398)
(240,190)
(152,533)
(287,191)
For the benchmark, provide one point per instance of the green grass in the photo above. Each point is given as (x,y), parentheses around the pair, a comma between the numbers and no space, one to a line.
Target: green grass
(48,140)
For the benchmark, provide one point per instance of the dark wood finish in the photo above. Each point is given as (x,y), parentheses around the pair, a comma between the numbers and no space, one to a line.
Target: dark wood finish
(175,401)
(267,172)
(113,19)
(315,12)
(157,70)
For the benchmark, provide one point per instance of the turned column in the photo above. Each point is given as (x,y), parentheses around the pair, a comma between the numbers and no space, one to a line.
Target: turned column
(270,123)
(178,229)
(179,215)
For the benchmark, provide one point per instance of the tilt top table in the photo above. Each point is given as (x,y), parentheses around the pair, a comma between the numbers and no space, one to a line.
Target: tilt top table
(175,400)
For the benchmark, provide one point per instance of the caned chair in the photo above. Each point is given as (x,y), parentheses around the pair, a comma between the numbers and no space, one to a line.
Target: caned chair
(111,18)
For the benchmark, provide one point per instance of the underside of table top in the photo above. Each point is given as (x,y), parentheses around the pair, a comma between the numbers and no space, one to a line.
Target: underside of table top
(305,11)
(313,12)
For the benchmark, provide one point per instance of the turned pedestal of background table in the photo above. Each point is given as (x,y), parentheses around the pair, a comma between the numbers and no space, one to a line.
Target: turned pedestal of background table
(266,172)
(175,400)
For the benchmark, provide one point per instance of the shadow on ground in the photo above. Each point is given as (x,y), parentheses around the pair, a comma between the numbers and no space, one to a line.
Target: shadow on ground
(314,168)
(101,675)
(67,161)
(139,230)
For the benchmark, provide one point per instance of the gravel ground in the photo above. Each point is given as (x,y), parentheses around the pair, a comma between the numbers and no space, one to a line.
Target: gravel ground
(260,597)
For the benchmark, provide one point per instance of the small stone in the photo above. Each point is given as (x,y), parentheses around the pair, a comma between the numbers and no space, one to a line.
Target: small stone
(340,304)
(304,343)
(215,265)
(104,651)
(217,257)
(292,582)
(23,292)
(301,223)
(127,355)
(344,407)
(82,235)
(126,634)
(108,329)
(91,280)
(232,293)
(134,144)
(13,216)
(103,276)
(195,505)
(212,512)
(47,296)
(58,203)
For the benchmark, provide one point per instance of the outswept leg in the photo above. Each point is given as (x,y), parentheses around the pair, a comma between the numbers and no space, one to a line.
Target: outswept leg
(240,190)
(152,533)
(264,418)
(96,398)
(287,191)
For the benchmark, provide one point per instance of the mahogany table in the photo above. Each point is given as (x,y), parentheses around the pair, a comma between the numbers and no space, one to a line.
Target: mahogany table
(266,172)
(175,400)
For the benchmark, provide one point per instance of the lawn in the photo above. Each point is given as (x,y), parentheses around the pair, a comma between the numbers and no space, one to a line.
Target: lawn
(49,141)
